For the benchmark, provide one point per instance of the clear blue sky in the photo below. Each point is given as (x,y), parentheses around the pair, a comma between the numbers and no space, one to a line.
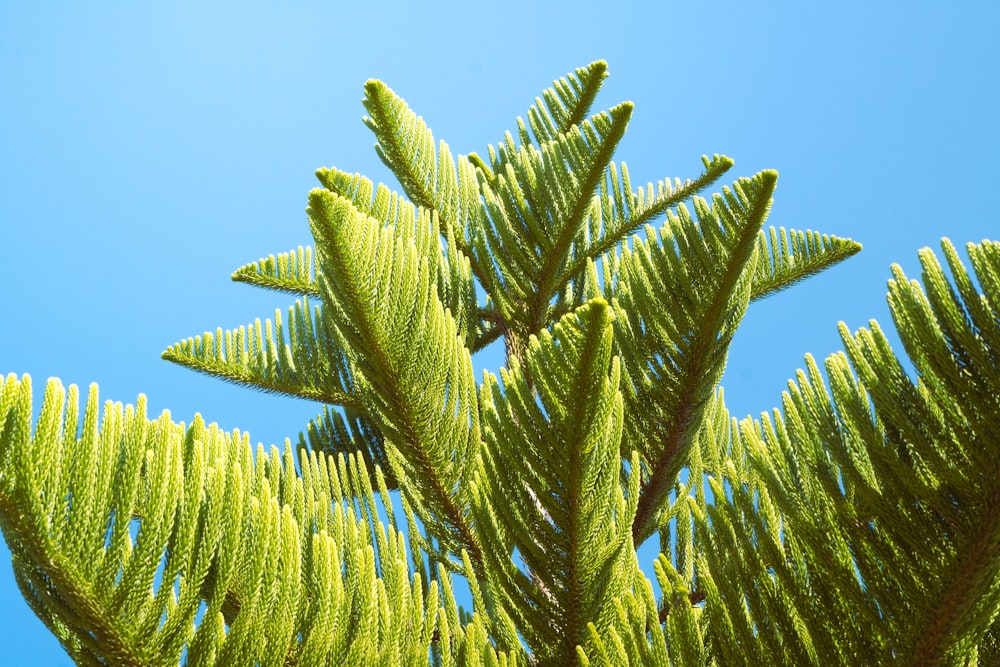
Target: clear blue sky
(148,149)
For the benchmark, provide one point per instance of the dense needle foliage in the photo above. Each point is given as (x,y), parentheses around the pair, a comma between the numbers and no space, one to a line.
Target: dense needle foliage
(859,524)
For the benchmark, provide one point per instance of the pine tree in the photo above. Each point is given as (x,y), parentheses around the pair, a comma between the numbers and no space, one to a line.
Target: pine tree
(857,525)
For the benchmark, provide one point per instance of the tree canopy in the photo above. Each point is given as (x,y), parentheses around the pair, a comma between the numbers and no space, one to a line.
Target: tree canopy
(857,524)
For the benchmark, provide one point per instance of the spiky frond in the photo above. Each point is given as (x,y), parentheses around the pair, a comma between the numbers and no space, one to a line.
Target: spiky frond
(526,250)
(429,175)
(558,502)
(644,637)
(871,536)
(300,360)
(139,542)
(290,272)
(620,212)
(535,206)
(449,267)
(560,108)
(565,104)
(680,296)
(788,258)
(412,368)
(333,432)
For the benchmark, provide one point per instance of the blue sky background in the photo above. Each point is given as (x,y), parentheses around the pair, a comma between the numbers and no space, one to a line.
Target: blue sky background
(149,149)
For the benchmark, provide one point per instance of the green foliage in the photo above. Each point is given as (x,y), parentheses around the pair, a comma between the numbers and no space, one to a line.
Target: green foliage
(857,525)
(559,502)
(142,541)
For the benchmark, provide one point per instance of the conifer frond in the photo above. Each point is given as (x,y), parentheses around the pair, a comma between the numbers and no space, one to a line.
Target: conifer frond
(683,628)
(642,636)
(290,272)
(529,223)
(300,359)
(679,298)
(411,366)
(449,266)
(535,207)
(871,536)
(712,453)
(334,433)
(150,543)
(429,176)
(489,333)
(788,258)
(623,211)
(565,104)
(558,109)
(550,482)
